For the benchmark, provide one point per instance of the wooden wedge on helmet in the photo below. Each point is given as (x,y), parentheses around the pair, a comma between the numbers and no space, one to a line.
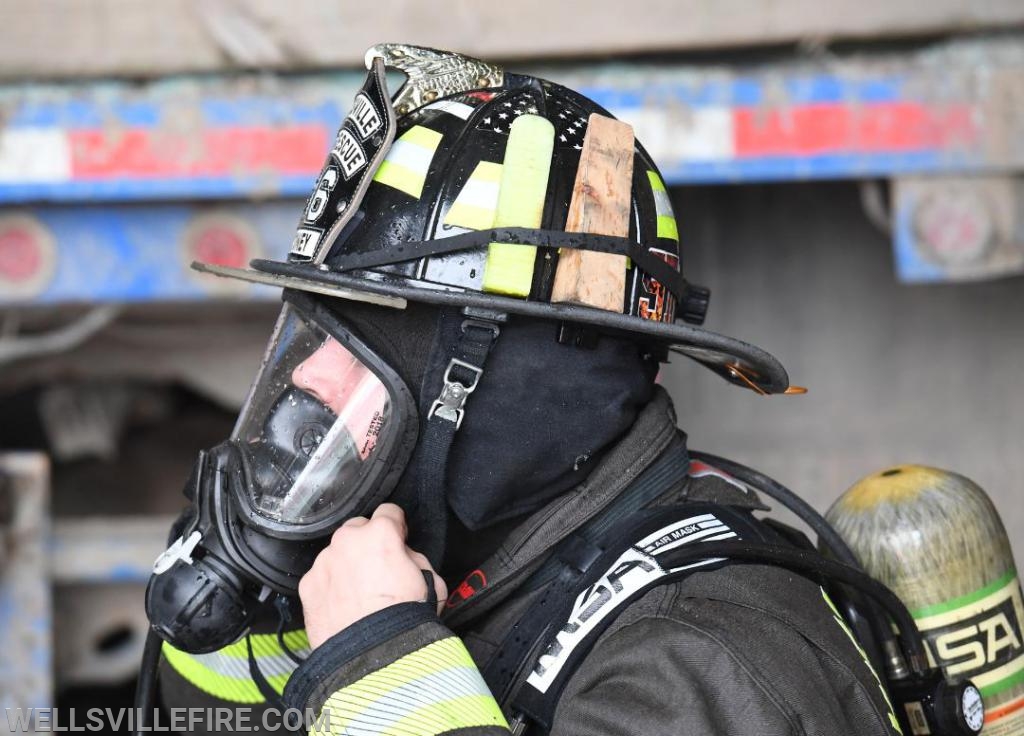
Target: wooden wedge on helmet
(600,204)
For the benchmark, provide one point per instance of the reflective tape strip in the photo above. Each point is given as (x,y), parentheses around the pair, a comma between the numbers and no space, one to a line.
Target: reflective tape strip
(406,165)
(524,183)
(232,689)
(860,650)
(458,109)
(433,690)
(225,674)
(476,204)
(667,227)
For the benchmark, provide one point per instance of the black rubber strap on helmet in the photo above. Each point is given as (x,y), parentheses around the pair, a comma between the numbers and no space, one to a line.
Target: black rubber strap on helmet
(658,269)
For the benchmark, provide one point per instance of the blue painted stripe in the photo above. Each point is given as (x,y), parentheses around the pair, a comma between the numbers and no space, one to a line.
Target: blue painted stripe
(292,185)
(648,92)
(39,110)
(273,111)
(138,253)
(812,167)
(137,114)
(315,98)
(744,91)
(90,114)
(825,89)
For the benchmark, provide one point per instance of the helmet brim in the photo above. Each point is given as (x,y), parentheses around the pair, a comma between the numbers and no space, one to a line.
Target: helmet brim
(736,361)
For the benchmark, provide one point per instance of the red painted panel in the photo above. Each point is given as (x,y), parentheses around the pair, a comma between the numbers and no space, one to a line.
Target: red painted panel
(825,128)
(227,151)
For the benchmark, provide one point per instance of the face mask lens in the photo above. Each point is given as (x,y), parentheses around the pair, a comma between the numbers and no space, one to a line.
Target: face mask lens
(316,424)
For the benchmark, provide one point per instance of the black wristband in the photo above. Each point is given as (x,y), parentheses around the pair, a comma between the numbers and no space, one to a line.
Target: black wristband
(316,674)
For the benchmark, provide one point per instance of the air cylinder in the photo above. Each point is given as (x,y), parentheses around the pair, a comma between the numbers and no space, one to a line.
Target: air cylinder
(935,538)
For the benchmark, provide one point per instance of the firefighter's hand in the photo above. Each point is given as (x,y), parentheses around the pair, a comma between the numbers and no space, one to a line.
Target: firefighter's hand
(366,568)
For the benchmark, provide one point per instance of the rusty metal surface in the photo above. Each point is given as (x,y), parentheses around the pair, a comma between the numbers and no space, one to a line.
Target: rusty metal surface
(955,108)
(951,107)
(99,567)
(257,135)
(25,598)
(71,591)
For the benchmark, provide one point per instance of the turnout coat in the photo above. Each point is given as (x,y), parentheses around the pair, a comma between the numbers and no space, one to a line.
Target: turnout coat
(744,649)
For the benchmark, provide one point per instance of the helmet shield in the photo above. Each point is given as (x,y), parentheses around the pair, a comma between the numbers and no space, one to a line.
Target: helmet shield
(327,427)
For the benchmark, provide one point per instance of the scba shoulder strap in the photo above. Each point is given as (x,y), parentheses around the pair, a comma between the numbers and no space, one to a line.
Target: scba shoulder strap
(673,552)
(597,573)
(594,583)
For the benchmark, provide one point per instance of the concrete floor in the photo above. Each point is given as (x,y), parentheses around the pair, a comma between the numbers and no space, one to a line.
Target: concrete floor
(897,374)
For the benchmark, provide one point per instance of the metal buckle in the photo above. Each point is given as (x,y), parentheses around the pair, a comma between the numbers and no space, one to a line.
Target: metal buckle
(449,405)
(483,325)
(517,724)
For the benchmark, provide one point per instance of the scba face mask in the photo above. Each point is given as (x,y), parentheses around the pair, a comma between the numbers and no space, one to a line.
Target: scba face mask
(324,435)
(323,424)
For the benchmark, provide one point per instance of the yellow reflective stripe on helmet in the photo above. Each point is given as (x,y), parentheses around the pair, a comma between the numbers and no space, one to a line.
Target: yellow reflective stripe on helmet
(476,204)
(406,165)
(667,227)
(433,690)
(225,674)
(524,183)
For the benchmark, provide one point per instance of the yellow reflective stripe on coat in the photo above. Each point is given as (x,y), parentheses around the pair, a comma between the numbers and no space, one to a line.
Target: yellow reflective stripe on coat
(225,674)
(433,690)
(860,650)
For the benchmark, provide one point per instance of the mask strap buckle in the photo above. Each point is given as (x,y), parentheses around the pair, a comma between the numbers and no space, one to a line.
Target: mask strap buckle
(461,377)
(450,404)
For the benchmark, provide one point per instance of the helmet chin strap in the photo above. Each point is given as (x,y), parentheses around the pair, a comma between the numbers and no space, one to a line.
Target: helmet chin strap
(424,486)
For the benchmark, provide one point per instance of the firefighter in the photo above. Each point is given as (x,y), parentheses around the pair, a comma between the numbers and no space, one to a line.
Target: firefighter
(469,486)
